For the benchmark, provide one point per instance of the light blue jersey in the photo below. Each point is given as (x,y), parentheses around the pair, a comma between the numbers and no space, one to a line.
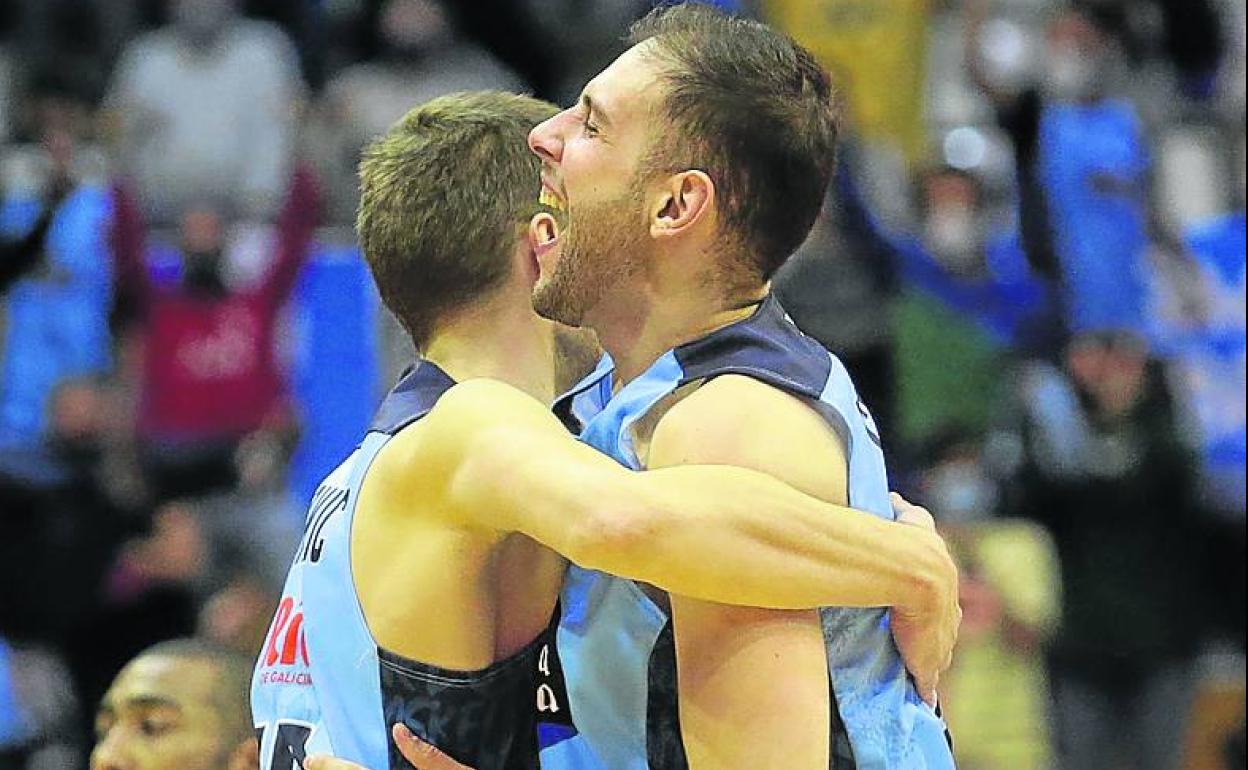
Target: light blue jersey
(616,644)
(323,684)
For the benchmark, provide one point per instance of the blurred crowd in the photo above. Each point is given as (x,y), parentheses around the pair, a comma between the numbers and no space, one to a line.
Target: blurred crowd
(1032,263)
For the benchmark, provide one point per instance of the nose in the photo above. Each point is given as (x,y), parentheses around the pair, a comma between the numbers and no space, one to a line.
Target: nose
(547,139)
(108,754)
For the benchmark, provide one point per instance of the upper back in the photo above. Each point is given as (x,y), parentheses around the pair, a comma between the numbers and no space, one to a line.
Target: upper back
(330,678)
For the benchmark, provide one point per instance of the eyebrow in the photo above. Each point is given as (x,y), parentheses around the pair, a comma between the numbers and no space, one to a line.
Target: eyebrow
(146,701)
(595,109)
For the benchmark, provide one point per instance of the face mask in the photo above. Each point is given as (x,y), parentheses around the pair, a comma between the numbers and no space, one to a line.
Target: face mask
(954,237)
(80,451)
(202,273)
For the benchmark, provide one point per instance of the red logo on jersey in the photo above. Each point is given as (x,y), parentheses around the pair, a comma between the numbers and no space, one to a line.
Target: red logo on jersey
(287,645)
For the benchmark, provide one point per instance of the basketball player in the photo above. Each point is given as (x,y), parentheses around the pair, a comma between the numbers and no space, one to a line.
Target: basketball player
(689,171)
(416,596)
(179,705)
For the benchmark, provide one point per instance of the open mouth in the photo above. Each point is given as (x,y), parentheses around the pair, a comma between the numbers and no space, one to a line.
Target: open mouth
(550,200)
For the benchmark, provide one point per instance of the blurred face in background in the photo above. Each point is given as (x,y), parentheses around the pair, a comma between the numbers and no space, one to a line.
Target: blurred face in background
(412,29)
(1078,59)
(954,225)
(160,714)
(593,175)
(79,421)
(1111,368)
(200,22)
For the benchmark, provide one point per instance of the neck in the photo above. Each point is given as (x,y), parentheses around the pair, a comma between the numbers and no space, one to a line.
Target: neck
(636,333)
(509,344)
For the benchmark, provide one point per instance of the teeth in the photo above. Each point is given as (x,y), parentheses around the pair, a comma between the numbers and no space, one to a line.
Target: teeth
(550,200)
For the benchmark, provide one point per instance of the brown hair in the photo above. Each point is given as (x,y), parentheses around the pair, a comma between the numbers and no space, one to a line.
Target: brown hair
(441,197)
(757,113)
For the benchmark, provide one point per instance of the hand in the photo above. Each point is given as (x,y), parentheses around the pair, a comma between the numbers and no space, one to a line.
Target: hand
(926,633)
(421,755)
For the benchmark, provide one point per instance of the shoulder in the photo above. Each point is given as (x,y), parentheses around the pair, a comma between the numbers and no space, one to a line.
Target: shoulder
(738,420)
(470,415)
(736,405)
(486,401)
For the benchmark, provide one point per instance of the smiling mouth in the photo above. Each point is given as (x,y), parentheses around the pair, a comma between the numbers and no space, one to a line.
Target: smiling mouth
(552,201)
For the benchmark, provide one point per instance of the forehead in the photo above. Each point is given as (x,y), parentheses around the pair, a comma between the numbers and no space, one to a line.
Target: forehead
(628,89)
(185,682)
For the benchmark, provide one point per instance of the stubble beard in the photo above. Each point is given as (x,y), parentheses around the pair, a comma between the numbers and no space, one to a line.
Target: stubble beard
(604,247)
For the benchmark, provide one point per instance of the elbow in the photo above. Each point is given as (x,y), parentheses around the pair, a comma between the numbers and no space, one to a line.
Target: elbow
(623,538)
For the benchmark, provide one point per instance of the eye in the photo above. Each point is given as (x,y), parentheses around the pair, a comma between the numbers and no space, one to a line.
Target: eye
(588,128)
(154,727)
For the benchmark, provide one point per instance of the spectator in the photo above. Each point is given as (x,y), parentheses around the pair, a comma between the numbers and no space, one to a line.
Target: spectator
(422,57)
(62,536)
(205,108)
(210,375)
(1086,205)
(995,696)
(150,594)
(1105,469)
(970,301)
(59,286)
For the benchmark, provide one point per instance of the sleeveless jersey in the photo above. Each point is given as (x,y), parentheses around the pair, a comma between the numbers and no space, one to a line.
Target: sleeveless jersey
(616,644)
(322,683)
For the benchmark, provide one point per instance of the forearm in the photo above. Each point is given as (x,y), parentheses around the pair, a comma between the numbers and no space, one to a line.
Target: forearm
(738,537)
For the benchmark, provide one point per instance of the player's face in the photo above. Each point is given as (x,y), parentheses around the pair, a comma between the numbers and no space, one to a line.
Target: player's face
(158,715)
(592,155)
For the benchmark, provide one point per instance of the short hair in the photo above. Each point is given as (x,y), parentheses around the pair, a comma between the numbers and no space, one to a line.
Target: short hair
(230,687)
(757,113)
(441,197)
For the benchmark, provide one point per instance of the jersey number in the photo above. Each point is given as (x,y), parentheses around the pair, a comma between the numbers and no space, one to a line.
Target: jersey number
(290,745)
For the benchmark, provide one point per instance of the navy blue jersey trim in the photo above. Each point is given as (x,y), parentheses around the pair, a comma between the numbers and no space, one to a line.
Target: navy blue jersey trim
(451,678)
(765,346)
(414,397)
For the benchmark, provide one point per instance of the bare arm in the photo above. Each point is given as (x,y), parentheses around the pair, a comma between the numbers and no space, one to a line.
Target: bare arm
(722,534)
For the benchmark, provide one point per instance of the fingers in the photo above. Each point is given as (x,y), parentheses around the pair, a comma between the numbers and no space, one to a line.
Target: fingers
(421,754)
(414,750)
(909,513)
(324,762)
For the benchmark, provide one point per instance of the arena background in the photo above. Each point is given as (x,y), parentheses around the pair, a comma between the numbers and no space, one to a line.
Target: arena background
(1032,263)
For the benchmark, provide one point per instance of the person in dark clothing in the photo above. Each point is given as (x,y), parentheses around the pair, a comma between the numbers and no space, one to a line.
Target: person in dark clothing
(1108,474)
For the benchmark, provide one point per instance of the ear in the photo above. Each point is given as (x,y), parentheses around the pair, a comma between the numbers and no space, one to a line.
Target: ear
(685,200)
(246,756)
